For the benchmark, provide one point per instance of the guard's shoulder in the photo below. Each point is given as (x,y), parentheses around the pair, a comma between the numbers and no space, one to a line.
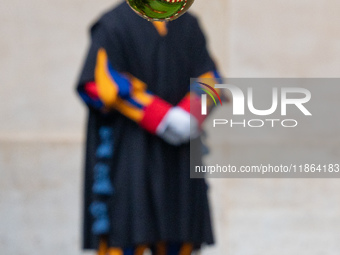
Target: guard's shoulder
(190,16)
(111,18)
(116,13)
(187,20)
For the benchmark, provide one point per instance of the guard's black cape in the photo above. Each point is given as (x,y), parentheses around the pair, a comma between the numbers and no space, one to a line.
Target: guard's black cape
(155,199)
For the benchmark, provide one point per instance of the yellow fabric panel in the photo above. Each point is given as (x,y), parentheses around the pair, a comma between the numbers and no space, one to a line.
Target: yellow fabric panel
(161,27)
(107,88)
(102,248)
(129,110)
(139,91)
(207,75)
(161,249)
(115,251)
(136,83)
(142,98)
(186,249)
(140,249)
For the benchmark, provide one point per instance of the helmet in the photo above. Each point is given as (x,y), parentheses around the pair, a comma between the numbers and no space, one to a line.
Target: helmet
(160,10)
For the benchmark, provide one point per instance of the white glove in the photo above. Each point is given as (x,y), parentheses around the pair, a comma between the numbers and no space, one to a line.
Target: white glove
(178,126)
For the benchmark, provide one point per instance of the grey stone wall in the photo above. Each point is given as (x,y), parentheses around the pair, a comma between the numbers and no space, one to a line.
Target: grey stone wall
(42,46)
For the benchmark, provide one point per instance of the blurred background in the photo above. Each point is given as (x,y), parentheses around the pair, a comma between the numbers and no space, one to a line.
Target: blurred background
(42,46)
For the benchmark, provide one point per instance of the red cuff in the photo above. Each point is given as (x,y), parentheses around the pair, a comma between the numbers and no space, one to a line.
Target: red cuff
(185,103)
(154,114)
(192,104)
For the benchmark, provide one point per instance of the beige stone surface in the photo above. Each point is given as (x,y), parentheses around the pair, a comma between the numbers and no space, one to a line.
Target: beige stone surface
(42,46)
(40,197)
(294,38)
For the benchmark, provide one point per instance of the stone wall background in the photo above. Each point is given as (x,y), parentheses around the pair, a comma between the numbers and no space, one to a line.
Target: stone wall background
(42,46)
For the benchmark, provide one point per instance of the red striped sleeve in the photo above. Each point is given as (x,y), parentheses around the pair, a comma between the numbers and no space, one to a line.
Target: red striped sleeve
(154,114)
(192,102)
